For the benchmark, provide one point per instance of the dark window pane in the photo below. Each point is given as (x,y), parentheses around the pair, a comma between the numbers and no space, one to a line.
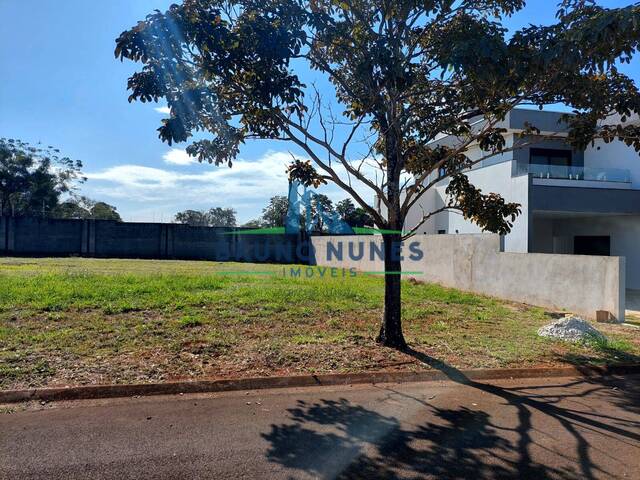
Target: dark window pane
(560,161)
(547,156)
(539,160)
(592,245)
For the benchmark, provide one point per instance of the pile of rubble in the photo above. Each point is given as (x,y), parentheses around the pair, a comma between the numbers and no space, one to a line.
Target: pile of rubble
(571,329)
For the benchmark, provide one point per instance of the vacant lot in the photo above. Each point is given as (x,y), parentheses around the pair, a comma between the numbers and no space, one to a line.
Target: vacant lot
(79,321)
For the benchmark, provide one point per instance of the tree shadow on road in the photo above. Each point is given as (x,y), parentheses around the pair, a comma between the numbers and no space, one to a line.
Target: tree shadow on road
(546,401)
(339,439)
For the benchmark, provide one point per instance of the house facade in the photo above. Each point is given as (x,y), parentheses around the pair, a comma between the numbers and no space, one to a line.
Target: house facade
(573,202)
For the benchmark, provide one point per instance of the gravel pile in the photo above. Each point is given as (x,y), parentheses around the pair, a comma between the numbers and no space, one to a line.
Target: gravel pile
(571,329)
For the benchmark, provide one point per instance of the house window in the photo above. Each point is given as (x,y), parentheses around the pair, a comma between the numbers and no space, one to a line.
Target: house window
(442,232)
(546,156)
(592,245)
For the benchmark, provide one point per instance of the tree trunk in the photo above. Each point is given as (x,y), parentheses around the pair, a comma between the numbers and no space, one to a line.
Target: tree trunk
(391,329)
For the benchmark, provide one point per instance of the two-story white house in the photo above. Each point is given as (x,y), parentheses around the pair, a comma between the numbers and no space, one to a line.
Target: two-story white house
(573,202)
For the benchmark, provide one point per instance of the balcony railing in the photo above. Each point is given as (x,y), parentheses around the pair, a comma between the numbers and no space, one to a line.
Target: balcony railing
(580,173)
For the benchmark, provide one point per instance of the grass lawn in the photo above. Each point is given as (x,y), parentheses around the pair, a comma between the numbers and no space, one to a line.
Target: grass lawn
(84,321)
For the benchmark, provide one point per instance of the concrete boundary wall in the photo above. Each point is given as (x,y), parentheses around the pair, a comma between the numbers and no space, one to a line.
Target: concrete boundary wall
(575,283)
(31,236)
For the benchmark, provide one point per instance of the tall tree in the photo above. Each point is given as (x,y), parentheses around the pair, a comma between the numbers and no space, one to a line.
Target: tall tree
(403,71)
(32,178)
(352,215)
(275,213)
(214,217)
(80,207)
(222,217)
(104,211)
(194,218)
(312,212)
(316,212)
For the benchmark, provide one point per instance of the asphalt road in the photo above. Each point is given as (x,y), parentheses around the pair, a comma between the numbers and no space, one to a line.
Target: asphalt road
(558,428)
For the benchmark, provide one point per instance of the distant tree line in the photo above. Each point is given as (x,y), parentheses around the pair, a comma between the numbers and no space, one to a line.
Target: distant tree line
(214,217)
(34,180)
(85,208)
(275,213)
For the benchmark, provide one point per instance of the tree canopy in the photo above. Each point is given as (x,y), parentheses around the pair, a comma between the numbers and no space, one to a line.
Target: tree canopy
(403,72)
(214,217)
(86,209)
(33,178)
(275,213)
(312,214)
(352,215)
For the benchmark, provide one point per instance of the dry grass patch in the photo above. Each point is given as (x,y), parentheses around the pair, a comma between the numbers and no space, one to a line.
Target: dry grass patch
(86,321)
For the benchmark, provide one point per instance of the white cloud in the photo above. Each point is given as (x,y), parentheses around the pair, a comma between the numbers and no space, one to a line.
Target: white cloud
(164,110)
(144,193)
(178,156)
(247,183)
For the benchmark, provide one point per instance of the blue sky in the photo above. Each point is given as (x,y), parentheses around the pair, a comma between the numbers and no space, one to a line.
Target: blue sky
(61,85)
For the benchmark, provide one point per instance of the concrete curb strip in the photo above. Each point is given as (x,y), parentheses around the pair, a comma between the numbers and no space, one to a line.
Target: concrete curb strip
(212,386)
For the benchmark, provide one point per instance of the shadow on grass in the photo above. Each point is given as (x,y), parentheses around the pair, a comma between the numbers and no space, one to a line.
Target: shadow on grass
(339,439)
(606,352)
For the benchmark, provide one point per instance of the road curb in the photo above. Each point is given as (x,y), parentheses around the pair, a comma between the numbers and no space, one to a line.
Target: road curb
(227,385)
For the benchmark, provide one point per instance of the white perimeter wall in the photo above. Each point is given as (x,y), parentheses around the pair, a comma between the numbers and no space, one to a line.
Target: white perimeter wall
(624,231)
(574,283)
